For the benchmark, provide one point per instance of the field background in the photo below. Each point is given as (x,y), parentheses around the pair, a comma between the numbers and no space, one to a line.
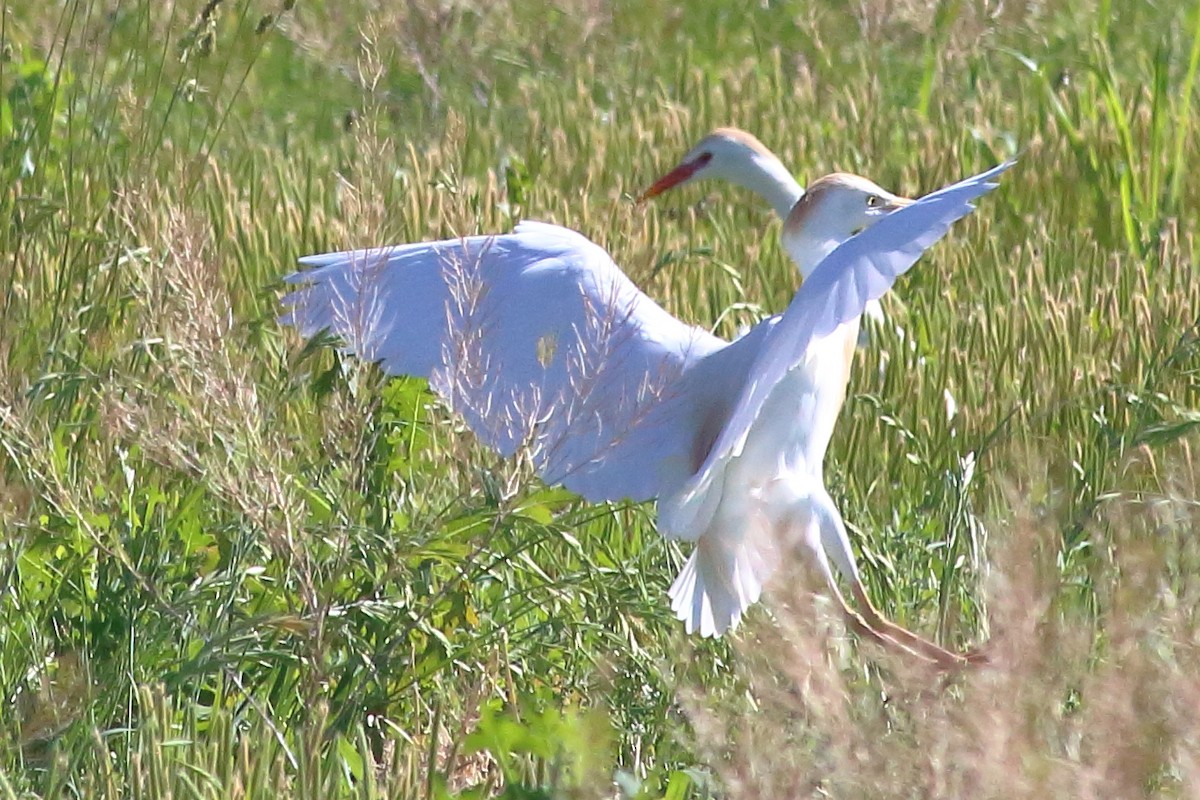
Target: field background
(234,566)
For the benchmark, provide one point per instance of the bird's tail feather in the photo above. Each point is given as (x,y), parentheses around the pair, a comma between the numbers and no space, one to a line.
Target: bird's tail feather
(718,583)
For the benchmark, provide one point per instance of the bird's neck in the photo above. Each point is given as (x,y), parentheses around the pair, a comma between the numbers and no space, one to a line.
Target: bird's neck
(766,176)
(808,249)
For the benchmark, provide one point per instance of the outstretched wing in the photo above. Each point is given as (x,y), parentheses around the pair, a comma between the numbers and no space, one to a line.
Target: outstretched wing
(861,269)
(538,339)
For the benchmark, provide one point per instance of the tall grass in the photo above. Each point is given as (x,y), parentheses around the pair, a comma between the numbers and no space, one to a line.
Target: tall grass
(238,566)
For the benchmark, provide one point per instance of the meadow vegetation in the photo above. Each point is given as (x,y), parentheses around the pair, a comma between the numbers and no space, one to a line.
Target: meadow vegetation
(234,565)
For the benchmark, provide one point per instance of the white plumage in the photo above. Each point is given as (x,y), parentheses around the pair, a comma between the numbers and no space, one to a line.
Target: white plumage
(539,340)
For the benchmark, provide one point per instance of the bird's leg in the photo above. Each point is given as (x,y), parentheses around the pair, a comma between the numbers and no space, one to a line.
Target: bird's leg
(821,528)
(940,656)
(856,623)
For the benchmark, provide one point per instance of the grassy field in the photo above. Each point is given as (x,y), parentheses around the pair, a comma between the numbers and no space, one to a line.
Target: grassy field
(235,566)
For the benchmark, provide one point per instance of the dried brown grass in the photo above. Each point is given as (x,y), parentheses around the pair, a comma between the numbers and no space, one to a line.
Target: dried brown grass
(1070,704)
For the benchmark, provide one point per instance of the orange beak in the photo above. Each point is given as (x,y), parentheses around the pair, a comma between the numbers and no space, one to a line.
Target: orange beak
(680,174)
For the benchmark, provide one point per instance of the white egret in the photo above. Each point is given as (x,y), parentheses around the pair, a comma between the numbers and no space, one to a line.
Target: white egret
(541,342)
(737,156)
(740,158)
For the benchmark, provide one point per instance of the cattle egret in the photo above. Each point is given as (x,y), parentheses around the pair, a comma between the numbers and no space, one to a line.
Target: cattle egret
(543,344)
(737,156)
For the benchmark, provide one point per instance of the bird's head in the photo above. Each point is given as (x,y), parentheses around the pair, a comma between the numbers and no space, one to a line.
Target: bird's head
(833,209)
(726,153)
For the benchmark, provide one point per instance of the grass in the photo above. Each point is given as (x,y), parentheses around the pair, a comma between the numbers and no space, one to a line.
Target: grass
(236,566)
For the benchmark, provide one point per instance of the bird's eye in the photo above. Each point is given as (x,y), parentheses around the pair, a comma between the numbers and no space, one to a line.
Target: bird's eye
(872,200)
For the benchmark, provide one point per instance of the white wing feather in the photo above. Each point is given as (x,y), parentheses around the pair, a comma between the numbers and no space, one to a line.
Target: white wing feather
(538,339)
